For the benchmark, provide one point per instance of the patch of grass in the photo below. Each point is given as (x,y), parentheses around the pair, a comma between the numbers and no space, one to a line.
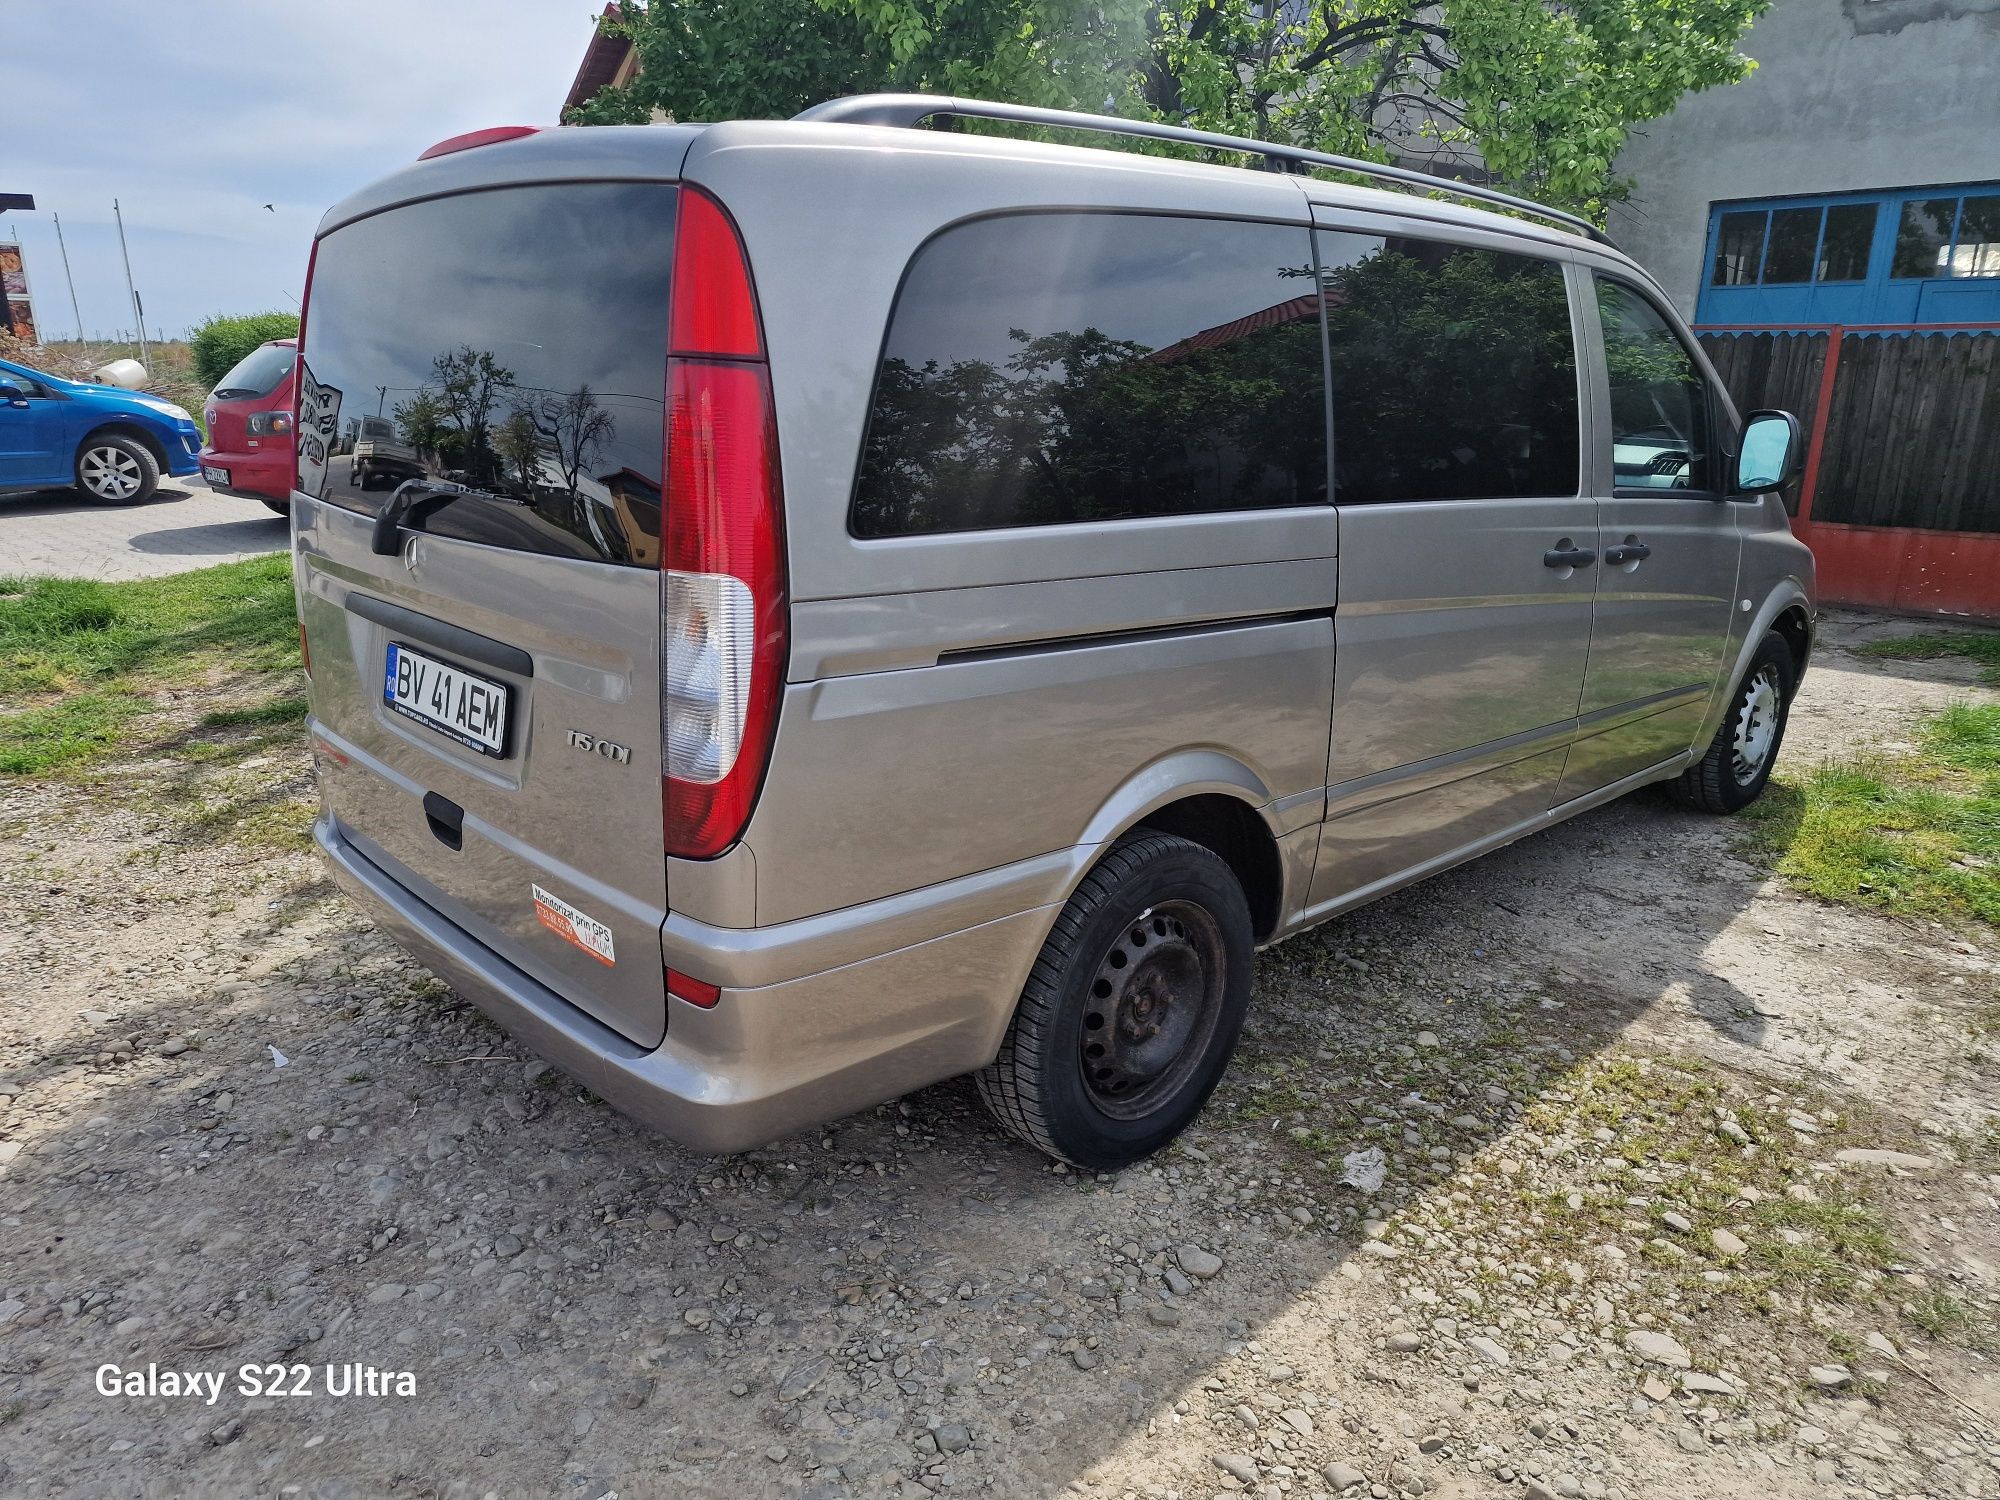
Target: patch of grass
(1918,835)
(287,710)
(82,662)
(1980,646)
(1937,1312)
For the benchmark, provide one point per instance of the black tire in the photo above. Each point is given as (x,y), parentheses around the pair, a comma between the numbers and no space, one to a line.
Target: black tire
(1168,919)
(1725,780)
(278,507)
(116,470)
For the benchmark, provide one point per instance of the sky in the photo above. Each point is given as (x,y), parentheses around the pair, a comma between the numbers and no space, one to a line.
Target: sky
(194,114)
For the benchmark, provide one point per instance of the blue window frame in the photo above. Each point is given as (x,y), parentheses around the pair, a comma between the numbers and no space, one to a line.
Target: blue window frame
(1901,255)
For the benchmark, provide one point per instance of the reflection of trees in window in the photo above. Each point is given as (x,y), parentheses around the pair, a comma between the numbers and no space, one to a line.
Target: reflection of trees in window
(520,445)
(537,449)
(1081,426)
(1454,372)
(421,420)
(468,383)
(578,429)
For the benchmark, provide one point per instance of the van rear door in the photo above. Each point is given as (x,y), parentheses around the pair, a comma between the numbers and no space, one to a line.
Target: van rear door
(485,673)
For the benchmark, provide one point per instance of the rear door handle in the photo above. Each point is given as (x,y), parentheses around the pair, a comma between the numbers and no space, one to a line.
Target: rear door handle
(1626,552)
(1563,555)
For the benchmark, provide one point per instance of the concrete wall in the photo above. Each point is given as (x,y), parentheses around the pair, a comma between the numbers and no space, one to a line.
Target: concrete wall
(1848,94)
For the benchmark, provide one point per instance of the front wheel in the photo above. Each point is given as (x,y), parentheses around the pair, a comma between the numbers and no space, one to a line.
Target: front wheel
(1133,1008)
(1737,766)
(117,470)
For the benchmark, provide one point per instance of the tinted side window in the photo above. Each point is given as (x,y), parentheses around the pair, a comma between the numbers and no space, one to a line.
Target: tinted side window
(1659,402)
(1454,372)
(1063,367)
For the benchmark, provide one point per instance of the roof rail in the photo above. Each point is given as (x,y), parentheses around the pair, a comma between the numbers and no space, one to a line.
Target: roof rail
(910,110)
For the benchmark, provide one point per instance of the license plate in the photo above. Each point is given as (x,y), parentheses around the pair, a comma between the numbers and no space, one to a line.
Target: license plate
(456,703)
(215,476)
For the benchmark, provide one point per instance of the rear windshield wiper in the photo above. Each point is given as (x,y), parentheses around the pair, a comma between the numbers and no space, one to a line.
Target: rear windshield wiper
(413,503)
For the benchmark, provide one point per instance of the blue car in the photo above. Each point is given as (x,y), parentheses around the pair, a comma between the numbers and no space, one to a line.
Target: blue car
(110,443)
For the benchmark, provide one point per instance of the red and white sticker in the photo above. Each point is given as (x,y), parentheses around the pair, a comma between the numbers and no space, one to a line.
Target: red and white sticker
(573,926)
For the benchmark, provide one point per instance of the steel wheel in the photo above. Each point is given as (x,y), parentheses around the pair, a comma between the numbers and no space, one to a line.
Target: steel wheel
(110,472)
(1153,1007)
(1132,1008)
(1732,772)
(1756,728)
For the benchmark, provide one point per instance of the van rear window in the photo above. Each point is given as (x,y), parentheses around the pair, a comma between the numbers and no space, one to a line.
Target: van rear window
(511,341)
(1061,367)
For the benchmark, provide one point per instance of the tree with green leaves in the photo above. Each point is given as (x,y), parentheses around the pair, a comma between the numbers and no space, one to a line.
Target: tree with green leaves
(1537,93)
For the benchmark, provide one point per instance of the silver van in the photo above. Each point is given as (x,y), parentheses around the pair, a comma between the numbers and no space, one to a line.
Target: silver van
(873,603)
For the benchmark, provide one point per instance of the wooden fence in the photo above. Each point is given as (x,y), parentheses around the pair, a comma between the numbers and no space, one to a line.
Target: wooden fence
(1900,498)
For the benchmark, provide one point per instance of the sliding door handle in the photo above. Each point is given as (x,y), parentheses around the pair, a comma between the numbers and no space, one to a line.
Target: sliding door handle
(1563,555)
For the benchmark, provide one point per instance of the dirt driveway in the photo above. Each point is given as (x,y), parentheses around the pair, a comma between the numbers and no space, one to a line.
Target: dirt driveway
(1689,1192)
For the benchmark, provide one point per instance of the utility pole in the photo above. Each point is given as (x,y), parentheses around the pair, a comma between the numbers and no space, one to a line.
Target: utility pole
(138,308)
(75,311)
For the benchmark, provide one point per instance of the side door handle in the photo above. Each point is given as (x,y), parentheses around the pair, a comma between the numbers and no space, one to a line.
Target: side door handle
(1565,555)
(1632,552)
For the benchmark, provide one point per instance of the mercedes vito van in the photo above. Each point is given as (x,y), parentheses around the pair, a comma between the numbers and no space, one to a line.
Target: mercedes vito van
(874,603)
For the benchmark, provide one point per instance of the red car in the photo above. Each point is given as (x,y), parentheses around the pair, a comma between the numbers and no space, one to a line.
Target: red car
(249,416)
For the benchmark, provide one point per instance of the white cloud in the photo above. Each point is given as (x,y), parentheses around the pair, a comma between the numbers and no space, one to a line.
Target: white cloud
(193,116)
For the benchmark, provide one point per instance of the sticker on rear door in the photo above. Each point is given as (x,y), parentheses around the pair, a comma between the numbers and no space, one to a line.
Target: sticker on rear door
(573,926)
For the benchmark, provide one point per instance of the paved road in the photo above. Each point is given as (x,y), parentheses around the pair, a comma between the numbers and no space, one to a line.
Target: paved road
(185,525)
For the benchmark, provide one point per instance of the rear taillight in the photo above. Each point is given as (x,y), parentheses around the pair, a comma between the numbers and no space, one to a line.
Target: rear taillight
(724,603)
(269,423)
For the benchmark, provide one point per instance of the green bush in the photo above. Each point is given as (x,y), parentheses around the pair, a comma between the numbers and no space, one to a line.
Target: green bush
(219,342)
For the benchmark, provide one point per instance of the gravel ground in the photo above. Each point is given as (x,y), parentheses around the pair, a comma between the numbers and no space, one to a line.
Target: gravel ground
(1687,1190)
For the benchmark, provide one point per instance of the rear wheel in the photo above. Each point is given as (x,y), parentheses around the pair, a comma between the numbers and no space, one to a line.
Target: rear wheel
(117,470)
(279,507)
(1737,765)
(1133,1008)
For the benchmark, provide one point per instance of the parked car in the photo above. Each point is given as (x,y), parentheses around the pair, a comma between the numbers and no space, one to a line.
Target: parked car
(1138,562)
(111,444)
(380,458)
(249,415)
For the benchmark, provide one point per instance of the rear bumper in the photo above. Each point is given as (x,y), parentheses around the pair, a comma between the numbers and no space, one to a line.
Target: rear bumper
(261,476)
(765,1061)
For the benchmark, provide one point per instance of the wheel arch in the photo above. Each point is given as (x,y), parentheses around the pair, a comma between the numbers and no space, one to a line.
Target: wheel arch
(125,428)
(1213,799)
(1787,609)
(1794,623)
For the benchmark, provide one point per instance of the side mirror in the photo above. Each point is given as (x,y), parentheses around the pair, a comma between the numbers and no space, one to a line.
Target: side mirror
(1768,456)
(14,396)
